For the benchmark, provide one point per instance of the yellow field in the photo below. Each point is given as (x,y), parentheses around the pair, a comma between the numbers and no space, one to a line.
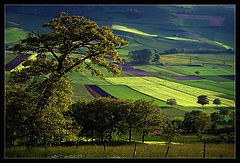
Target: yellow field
(132,30)
(20,66)
(162,89)
(181,39)
(225,46)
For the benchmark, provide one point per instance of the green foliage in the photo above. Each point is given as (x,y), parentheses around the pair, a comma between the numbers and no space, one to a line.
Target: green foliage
(145,56)
(216,118)
(150,117)
(31,126)
(171,102)
(224,111)
(100,118)
(217,101)
(170,130)
(202,124)
(69,34)
(104,117)
(189,119)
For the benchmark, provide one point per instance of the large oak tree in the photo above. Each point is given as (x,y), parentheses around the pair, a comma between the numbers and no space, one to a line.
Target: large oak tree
(45,78)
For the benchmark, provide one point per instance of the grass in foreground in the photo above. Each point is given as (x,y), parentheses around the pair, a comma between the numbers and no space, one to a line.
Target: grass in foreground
(193,150)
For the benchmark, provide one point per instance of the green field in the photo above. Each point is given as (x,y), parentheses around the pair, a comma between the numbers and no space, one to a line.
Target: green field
(80,92)
(206,70)
(164,89)
(123,91)
(13,35)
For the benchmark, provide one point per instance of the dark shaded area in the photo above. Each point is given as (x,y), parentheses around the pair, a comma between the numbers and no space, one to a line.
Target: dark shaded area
(186,77)
(96,92)
(15,62)
(231,77)
(139,73)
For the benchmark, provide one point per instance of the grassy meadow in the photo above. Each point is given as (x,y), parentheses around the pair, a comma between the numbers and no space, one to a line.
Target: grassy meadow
(151,151)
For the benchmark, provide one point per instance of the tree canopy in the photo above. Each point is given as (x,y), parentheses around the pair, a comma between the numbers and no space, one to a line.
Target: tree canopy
(143,56)
(203,100)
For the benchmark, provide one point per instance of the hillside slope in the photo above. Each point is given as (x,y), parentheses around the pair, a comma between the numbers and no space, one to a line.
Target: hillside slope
(204,23)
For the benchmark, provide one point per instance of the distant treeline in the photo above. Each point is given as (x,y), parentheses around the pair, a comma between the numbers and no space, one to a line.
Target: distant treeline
(175,50)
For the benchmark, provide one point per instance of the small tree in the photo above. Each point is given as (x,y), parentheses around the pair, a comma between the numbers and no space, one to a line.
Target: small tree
(197,72)
(217,101)
(171,102)
(216,119)
(202,124)
(150,116)
(189,119)
(143,56)
(131,115)
(170,130)
(203,100)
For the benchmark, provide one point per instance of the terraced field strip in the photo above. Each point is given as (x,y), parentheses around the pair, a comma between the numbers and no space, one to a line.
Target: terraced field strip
(136,72)
(131,30)
(225,46)
(80,92)
(123,91)
(165,93)
(216,86)
(163,90)
(96,92)
(16,61)
(186,77)
(206,70)
(157,70)
(86,78)
(181,39)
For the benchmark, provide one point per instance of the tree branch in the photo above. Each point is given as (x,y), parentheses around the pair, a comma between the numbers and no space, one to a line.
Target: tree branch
(78,62)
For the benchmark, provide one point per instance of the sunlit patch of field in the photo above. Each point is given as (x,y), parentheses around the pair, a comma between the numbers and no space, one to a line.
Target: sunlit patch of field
(181,39)
(162,89)
(132,30)
(20,66)
(225,46)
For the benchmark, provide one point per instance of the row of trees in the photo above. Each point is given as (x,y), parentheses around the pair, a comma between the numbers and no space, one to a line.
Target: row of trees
(201,123)
(103,118)
(100,119)
(203,100)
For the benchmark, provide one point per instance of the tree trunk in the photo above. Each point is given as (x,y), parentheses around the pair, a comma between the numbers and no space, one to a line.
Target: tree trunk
(167,150)
(143,137)
(130,133)
(204,148)
(110,134)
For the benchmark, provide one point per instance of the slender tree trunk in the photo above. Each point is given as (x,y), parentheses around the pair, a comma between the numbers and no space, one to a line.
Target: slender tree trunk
(130,133)
(167,150)
(134,151)
(143,134)
(110,134)
(204,148)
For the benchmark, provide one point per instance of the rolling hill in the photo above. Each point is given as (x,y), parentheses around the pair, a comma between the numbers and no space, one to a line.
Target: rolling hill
(205,36)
